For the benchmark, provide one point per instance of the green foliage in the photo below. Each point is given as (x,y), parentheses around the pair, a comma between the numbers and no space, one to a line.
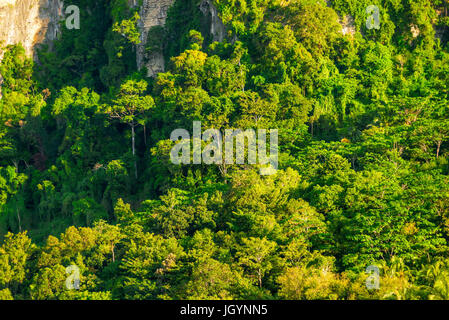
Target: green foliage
(363,165)
(128,29)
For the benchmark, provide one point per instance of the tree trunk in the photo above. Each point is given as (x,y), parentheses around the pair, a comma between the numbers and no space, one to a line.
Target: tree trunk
(133,139)
(438,148)
(16,165)
(134,148)
(18,218)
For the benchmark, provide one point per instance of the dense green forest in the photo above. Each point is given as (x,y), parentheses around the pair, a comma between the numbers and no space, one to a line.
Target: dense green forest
(363,120)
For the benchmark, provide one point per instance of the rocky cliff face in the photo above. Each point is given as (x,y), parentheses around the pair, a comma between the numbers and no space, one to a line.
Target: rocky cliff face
(154,13)
(348,25)
(217,28)
(30,22)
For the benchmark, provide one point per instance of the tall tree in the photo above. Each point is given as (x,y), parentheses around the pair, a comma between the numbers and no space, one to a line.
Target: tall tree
(129,106)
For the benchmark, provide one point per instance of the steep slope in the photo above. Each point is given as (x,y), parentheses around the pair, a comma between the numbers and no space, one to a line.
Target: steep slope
(29,22)
(153,13)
